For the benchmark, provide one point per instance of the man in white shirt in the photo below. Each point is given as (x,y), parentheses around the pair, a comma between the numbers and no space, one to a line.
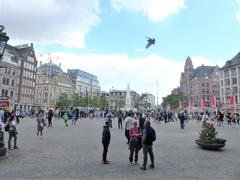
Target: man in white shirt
(128,125)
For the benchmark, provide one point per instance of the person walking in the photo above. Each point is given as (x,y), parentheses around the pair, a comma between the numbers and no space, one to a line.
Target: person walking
(106,137)
(120,118)
(128,125)
(50,115)
(18,114)
(182,119)
(141,122)
(149,136)
(12,132)
(40,123)
(135,134)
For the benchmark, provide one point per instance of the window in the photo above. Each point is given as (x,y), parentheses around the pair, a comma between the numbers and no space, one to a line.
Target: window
(234,89)
(9,70)
(4,80)
(207,84)
(6,93)
(221,82)
(12,82)
(11,93)
(7,81)
(2,93)
(234,80)
(14,72)
(203,84)
(227,82)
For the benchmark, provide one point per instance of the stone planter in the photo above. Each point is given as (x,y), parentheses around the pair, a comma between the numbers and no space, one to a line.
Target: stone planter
(210,146)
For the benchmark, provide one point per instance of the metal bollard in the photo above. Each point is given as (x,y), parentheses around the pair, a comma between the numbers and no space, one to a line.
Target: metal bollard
(2,148)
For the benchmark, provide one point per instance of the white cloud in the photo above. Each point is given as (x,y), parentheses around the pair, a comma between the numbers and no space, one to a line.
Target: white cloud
(49,21)
(238,12)
(155,10)
(118,70)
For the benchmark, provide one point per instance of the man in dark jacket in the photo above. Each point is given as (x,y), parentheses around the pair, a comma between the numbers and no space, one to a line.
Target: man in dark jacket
(149,136)
(50,115)
(106,137)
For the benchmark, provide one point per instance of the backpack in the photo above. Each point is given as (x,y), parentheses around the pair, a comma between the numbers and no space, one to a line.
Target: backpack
(152,134)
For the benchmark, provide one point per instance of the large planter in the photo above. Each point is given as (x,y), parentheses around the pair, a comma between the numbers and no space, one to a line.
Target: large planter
(210,146)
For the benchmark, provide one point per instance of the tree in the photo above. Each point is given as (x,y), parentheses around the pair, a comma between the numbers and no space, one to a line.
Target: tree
(173,100)
(103,102)
(63,101)
(77,100)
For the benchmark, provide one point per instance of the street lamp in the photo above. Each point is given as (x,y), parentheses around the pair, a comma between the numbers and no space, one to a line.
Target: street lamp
(3,41)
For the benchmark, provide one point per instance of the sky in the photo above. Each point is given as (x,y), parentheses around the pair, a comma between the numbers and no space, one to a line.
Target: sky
(108,37)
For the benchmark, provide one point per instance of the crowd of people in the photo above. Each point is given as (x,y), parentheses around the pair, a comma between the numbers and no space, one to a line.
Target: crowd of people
(137,126)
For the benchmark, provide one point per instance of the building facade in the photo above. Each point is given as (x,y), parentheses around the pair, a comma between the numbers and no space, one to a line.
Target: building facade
(85,84)
(51,82)
(117,99)
(230,84)
(9,73)
(200,84)
(27,77)
(149,98)
(18,74)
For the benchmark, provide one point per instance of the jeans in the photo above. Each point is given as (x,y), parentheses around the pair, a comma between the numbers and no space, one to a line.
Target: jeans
(105,150)
(12,135)
(133,148)
(120,124)
(127,136)
(147,149)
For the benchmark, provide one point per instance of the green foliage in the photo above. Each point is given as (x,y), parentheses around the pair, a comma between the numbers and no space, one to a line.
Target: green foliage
(103,102)
(173,100)
(63,101)
(208,135)
(77,100)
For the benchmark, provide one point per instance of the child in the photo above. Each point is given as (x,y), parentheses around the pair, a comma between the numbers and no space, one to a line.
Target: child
(65,117)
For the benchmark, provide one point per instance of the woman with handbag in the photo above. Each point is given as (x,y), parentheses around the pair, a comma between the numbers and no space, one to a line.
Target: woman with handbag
(135,134)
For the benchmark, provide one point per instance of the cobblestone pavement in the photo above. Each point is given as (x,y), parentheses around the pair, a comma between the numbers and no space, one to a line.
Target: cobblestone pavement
(74,152)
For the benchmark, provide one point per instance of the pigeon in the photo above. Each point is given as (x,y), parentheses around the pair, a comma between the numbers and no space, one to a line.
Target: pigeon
(151,41)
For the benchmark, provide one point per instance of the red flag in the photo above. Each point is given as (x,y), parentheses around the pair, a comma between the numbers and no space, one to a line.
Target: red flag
(203,104)
(180,104)
(231,101)
(214,104)
(190,103)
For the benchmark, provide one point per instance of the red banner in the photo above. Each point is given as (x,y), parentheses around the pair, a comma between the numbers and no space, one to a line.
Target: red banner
(214,104)
(203,103)
(180,104)
(231,101)
(190,103)
(4,104)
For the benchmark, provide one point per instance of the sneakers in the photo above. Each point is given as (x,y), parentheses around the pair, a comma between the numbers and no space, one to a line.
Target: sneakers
(15,147)
(105,162)
(143,168)
(130,164)
(136,163)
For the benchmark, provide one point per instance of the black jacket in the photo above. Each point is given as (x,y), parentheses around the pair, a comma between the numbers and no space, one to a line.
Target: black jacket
(106,135)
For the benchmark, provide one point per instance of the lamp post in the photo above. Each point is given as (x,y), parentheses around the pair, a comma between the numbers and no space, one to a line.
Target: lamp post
(3,43)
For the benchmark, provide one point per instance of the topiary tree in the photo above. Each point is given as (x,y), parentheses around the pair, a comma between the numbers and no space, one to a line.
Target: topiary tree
(208,135)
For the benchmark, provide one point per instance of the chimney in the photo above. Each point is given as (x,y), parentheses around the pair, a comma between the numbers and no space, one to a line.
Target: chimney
(60,65)
(31,45)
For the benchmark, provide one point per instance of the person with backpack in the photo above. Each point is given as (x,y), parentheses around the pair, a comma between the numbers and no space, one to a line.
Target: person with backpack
(106,137)
(149,136)
(135,134)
